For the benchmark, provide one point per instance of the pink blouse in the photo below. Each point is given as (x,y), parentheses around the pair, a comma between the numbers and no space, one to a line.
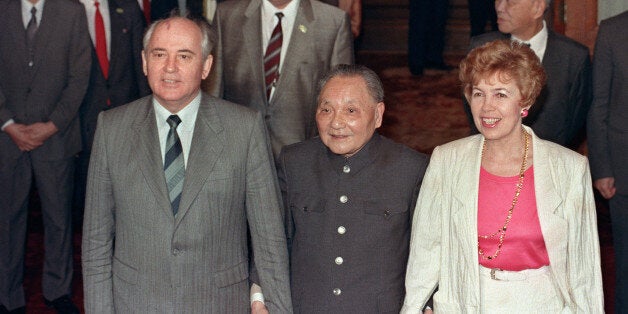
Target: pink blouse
(523,247)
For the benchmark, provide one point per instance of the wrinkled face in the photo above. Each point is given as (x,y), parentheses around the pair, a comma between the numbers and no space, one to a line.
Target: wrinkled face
(519,17)
(496,108)
(173,63)
(347,115)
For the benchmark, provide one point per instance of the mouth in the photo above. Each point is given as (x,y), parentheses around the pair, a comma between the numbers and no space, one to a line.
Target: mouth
(490,122)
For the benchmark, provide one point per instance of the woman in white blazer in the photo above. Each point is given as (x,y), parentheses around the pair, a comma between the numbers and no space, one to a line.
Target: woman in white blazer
(505,222)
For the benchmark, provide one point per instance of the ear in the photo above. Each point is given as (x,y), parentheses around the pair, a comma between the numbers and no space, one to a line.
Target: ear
(379,114)
(207,65)
(144,65)
(538,8)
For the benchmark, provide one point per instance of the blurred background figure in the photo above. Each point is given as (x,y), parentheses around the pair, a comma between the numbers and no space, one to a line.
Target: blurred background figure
(482,12)
(607,140)
(354,9)
(426,35)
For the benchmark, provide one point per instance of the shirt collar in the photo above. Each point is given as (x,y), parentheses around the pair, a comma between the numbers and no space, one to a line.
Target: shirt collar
(26,9)
(187,114)
(538,42)
(269,11)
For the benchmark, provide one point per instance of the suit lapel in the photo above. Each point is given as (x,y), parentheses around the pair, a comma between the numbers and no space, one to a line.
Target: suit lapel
(252,30)
(300,45)
(17,30)
(207,145)
(552,57)
(149,155)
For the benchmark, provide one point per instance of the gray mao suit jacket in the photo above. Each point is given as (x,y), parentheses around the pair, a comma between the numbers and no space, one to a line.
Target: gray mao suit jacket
(139,258)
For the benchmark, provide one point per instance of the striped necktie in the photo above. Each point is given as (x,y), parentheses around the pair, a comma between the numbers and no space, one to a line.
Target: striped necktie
(31,28)
(272,56)
(174,166)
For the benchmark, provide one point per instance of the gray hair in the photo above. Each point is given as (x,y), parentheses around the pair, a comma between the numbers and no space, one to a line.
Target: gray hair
(207,32)
(373,83)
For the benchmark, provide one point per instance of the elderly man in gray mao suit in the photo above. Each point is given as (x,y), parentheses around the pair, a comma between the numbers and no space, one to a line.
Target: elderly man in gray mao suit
(608,144)
(175,181)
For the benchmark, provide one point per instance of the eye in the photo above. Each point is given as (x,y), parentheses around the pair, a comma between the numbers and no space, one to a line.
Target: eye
(501,95)
(158,54)
(185,57)
(476,94)
(352,110)
(323,110)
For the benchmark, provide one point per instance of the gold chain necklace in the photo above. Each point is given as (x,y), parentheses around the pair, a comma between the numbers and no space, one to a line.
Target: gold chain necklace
(502,231)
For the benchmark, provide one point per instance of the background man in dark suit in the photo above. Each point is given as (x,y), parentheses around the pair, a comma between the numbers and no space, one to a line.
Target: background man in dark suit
(315,37)
(349,196)
(608,141)
(44,61)
(121,82)
(176,181)
(559,114)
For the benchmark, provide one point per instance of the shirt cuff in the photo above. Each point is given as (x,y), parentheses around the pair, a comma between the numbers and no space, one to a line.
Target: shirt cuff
(256,294)
(6,124)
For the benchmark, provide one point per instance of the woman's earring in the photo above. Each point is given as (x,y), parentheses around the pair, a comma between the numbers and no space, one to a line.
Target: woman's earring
(524,113)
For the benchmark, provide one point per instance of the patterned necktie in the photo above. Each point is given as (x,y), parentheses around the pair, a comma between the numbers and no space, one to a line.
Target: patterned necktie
(272,56)
(174,166)
(31,28)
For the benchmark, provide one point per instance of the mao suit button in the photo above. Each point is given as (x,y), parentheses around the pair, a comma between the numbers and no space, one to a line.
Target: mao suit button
(339,260)
(344,199)
(30,63)
(346,169)
(342,230)
(387,213)
(337,291)
(175,252)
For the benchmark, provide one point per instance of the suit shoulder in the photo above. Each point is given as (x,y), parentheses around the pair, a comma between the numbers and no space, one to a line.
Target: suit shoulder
(567,45)
(562,153)
(397,150)
(618,22)
(229,109)
(482,39)
(68,5)
(325,10)
(302,150)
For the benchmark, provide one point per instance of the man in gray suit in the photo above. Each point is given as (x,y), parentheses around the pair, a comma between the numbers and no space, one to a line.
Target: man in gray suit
(44,71)
(559,114)
(315,37)
(349,196)
(175,181)
(608,144)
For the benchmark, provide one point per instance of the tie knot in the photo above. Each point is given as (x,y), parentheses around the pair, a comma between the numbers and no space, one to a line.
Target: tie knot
(279,15)
(96,3)
(173,121)
(33,10)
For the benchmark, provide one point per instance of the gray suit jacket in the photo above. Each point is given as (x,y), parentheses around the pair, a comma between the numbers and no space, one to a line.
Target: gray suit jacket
(559,114)
(608,118)
(139,258)
(53,87)
(321,38)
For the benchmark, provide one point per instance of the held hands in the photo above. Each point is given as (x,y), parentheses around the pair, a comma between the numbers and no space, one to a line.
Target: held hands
(29,137)
(606,186)
(258,307)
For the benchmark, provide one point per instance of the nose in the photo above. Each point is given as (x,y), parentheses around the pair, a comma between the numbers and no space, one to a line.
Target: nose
(487,104)
(171,64)
(499,5)
(337,121)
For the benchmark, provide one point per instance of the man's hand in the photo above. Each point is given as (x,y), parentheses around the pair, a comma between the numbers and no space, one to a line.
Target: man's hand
(606,186)
(41,131)
(20,135)
(258,307)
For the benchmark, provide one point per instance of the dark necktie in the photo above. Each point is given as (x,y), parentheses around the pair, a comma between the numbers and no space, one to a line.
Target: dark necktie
(174,166)
(272,56)
(31,28)
(101,41)
(146,8)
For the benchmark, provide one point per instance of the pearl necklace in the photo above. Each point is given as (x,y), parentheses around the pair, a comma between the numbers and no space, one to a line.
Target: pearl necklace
(502,231)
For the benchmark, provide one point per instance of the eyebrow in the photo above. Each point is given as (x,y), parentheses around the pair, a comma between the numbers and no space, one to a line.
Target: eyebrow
(178,51)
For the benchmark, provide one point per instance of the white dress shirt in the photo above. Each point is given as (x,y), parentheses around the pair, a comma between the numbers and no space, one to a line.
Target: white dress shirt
(538,42)
(185,130)
(269,21)
(90,11)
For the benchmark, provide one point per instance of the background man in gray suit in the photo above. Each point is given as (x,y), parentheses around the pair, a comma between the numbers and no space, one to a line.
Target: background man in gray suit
(315,37)
(349,196)
(608,141)
(559,114)
(175,181)
(44,65)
